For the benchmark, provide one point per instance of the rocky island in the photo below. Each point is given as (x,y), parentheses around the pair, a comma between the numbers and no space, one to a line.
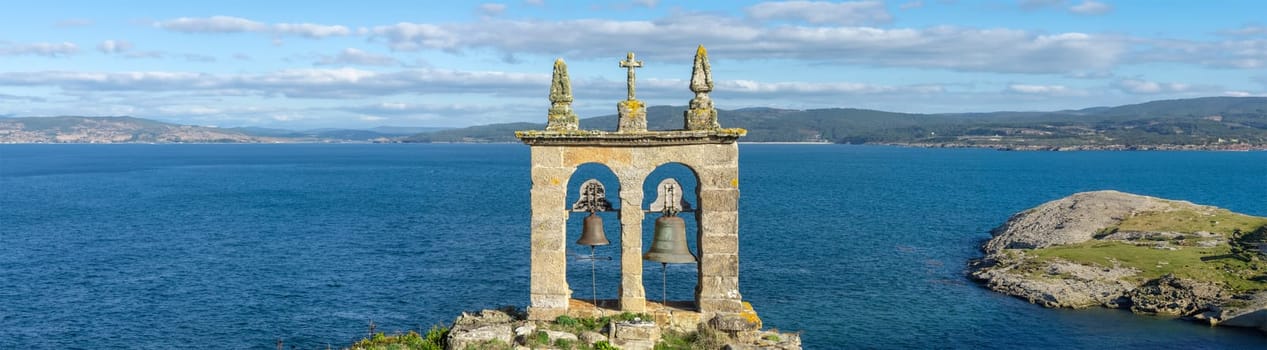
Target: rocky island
(1144,254)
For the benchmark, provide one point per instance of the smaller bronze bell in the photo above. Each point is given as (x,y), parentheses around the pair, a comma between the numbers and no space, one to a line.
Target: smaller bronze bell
(592,232)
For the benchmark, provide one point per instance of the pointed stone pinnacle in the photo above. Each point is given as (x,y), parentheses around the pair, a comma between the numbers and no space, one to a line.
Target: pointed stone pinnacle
(701,75)
(700,114)
(561,116)
(560,85)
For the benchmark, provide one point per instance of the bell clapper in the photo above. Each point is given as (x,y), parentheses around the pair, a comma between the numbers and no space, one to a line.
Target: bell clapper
(593,280)
(664,286)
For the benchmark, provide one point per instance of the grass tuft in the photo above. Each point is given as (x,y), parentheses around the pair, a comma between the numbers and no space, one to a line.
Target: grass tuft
(433,340)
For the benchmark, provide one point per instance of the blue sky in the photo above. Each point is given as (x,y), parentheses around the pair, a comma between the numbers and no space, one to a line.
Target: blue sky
(360,64)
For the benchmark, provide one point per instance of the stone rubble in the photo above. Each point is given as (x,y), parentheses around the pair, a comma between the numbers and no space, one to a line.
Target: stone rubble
(492,328)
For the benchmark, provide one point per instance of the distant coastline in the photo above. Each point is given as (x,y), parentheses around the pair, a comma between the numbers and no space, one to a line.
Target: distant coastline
(1018,148)
(1197,124)
(1162,147)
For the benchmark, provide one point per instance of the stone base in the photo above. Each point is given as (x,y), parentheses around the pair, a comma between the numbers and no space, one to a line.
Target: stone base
(633,116)
(633,304)
(680,316)
(545,314)
(701,119)
(562,122)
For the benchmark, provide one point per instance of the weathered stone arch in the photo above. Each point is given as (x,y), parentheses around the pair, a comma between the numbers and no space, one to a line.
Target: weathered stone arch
(582,173)
(690,217)
(716,169)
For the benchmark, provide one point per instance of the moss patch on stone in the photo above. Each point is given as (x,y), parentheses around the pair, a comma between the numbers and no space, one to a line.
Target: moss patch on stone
(1221,221)
(1213,264)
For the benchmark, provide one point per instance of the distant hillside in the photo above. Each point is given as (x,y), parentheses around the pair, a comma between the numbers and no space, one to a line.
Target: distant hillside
(404,130)
(1203,123)
(1199,123)
(74,129)
(111,130)
(318,135)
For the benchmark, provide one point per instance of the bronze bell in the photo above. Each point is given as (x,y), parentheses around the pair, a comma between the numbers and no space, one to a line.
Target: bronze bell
(669,244)
(592,232)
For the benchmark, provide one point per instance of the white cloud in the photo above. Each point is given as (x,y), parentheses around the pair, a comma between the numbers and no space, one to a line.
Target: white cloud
(309,30)
(144,54)
(1139,86)
(1246,30)
(492,9)
(214,24)
(39,49)
(911,5)
(1086,7)
(73,22)
(228,24)
(1244,94)
(189,110)
(1091,7)
(822,12)
(405,109)
(1248,53)
(351,56)
(114,46)
(956,48)
(1050,90)
(783,89)
(1039,4)
(647,3)
(296,83)
(193,57)
(20,98)
(414,36)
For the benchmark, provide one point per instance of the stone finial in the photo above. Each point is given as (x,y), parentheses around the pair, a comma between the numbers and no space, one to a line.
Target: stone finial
(701,74)
(632,113)
(701,115)
(561,117)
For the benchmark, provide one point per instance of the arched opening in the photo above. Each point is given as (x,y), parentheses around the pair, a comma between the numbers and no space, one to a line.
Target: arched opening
(595,277)
(675,282)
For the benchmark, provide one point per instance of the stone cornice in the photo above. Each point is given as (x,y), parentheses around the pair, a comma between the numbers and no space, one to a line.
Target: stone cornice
(645,138)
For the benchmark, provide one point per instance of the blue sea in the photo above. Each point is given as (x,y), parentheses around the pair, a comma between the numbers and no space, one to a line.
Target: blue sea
(237,246)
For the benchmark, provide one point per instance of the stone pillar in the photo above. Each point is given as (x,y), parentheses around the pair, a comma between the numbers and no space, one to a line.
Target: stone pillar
(718,219)
(548,281)
(633,297)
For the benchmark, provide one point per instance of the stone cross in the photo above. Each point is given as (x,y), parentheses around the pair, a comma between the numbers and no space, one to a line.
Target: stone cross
(630,64)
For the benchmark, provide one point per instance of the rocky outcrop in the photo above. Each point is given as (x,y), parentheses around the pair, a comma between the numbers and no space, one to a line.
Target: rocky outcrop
(1089,249)
(480,330)
(1077,287)
(1245,311)
(1176,297)
(1074,219)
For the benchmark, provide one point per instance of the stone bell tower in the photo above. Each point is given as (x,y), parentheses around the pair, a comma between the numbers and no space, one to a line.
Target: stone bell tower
(632,152)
